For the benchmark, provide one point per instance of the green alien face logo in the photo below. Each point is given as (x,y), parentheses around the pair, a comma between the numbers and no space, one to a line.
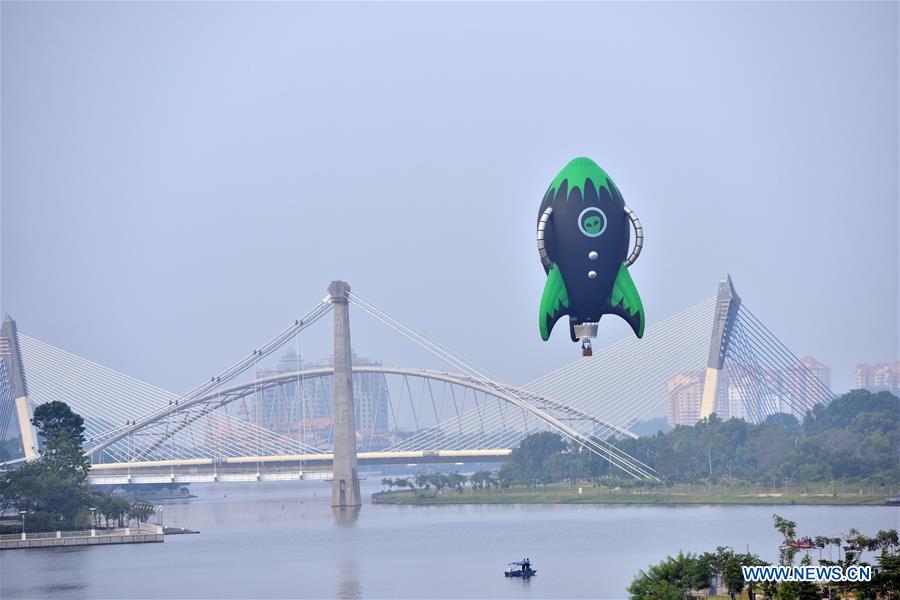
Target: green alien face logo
(592,224)
(592,221)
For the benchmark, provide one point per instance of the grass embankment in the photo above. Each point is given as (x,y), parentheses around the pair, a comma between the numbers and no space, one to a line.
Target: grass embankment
(565,494)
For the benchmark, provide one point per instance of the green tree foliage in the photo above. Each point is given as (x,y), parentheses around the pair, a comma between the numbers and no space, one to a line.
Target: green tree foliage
(403,482)
(481,479)
(682,576)
(798,590)
(455,481)
(53,489)
(788,530)
(39,488)
(857,436)
(530,459)
(110,508)
(724,566)
(141,510)
(672,579)
(61,431)
(886,583)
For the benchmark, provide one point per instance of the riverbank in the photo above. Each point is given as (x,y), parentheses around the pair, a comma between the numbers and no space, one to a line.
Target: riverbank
(142,534)
(564,494)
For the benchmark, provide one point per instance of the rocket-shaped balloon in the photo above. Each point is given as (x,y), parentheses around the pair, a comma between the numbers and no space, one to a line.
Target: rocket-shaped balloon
(583,237)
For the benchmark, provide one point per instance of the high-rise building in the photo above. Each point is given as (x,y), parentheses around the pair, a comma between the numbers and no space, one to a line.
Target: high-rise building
(736,408)
(302,409)
(684,393)
(275,407)
(793,390)
(820,371)
(879,377)
(804,385)
(371,401)
(750,391)
(370,394)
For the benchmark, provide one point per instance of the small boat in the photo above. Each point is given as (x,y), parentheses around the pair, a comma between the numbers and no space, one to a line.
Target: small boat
(520,569)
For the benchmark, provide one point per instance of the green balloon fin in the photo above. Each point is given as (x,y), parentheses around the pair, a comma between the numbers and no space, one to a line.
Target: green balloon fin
(626,302)
(553,302)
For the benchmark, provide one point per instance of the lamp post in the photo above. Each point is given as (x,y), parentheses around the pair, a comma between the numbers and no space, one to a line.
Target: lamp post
(23,513)
(93,521)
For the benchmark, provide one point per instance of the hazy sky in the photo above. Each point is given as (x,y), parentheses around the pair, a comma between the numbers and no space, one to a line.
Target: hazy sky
(181,181)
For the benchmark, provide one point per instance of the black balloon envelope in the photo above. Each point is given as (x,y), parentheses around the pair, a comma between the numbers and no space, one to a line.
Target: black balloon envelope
(583,236)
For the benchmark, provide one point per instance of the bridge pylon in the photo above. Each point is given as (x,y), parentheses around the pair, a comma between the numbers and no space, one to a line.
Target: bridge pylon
(12,361)
(345,486)
(727,304)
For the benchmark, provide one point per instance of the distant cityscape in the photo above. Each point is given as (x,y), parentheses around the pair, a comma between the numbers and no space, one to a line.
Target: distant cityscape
(277,408)
(786,390)
(309,419)
(879,377)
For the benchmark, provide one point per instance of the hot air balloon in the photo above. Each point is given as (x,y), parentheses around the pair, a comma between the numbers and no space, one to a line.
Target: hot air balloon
(583,238)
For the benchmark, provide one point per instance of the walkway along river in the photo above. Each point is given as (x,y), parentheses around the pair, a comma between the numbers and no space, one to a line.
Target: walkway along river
(143,533)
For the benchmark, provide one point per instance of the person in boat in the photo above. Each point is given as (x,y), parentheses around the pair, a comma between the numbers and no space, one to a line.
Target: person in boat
(527,564)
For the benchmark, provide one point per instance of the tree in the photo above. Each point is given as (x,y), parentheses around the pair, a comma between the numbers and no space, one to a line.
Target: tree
(480,479)
(438,481)
(53,489)
(111,508)
(751,560)
(677,577)
(854,437)
(456,481)
(887,541)
(526,462)
(62,438)
(423,481)
(672,579)
(886,583)
(788,529)
(857,543)
(725,565)
(141,510)
(732,574)
(798,590)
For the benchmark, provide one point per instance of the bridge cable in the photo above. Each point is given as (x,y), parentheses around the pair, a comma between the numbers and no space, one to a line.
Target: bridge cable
(625,462)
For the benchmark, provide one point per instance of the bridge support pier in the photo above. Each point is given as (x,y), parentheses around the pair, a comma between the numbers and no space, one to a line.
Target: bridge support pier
(345,486)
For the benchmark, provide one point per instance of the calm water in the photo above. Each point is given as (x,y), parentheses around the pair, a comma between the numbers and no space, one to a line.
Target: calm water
(282,540)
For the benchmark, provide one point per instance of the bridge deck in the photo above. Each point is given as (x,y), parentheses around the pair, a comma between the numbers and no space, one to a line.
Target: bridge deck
(271,468)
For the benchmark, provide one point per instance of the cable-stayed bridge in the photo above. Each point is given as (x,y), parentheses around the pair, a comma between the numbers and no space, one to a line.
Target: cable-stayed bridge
(261,421)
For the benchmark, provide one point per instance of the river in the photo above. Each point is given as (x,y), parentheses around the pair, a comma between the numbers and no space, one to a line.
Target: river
(282,540)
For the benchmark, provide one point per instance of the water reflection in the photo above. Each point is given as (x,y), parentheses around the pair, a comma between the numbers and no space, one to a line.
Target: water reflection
(348,586)
(384,551)
(345,517)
